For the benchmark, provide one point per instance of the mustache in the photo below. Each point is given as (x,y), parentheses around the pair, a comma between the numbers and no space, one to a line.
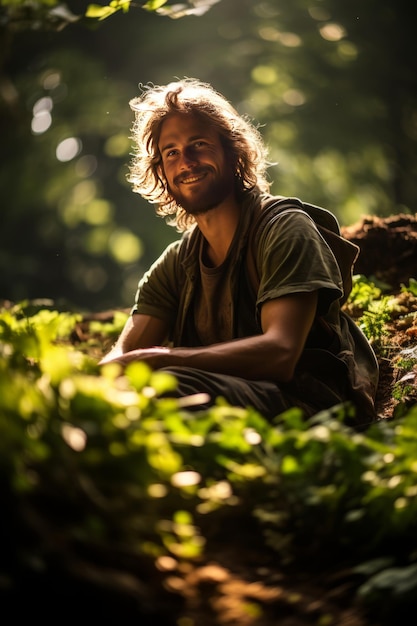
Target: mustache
(194,172)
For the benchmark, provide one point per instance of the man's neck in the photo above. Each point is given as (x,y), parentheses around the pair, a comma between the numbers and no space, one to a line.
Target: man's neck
(218,227)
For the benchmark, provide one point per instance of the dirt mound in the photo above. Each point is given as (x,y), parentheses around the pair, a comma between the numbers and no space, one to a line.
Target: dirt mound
(388,247)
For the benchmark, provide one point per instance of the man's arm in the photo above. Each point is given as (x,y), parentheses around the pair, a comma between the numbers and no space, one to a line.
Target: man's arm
(272,355)
(140,331)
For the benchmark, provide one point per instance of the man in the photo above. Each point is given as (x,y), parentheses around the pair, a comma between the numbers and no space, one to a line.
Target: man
(271,343)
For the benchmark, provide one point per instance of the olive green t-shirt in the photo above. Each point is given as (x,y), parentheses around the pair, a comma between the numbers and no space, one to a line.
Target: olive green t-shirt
(293,257)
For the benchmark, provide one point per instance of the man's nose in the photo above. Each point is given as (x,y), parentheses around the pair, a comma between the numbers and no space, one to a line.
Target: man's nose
(188,158)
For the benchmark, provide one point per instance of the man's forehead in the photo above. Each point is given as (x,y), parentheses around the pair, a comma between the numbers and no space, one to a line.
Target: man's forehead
(184,126)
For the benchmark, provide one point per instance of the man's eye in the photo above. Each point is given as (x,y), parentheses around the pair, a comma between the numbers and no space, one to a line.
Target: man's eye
(171,153)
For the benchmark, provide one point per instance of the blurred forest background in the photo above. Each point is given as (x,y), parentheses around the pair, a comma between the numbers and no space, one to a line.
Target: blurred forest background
(333,84)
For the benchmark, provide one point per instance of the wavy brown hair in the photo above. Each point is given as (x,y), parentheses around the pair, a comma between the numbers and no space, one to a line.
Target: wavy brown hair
(241,140)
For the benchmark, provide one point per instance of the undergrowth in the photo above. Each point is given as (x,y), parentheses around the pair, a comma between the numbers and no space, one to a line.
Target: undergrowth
(112,461)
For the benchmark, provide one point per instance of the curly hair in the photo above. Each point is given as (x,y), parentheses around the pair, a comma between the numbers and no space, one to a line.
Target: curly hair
(240,139)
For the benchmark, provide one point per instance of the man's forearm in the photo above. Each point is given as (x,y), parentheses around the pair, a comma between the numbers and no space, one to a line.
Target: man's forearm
(140,331)
(253,358)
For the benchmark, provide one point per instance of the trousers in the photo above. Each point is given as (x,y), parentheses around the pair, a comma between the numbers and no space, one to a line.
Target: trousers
(268,398)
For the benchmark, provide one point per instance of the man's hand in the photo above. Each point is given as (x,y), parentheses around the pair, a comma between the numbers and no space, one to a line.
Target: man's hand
(151,356)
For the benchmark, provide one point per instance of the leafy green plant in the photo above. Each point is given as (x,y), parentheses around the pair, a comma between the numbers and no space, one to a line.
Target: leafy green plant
(372,308)
(411,287)
(103,456)
(364,292)
(374,320)
(111,328)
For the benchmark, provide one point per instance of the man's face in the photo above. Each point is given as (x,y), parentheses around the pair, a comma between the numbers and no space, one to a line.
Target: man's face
(198,175)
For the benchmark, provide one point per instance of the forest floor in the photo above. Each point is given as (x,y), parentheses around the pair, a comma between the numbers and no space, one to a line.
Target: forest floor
(239,582)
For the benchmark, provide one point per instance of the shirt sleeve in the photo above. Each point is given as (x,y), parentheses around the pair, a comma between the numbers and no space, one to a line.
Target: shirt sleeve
(158,289)
(294,258)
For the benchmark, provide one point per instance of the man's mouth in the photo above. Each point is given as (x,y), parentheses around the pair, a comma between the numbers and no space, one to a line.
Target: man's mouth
(192,179)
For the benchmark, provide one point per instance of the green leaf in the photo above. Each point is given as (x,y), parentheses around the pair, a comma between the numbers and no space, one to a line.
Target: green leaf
(95,11)
(290,465)
(154,5)
(412,287)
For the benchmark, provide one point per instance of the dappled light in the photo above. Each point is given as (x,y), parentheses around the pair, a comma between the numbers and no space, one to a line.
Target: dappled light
(290,40)
(76,438)
(118,499)
(296,70)
(157,490)
(252,437)
(51,80)
(185,479)
(42,118)
(84,192)
(332,32)
(124,246)
(86,165)
(68,149)
(294,97)
(347,50)
(117,145)
(319,13)
(264,74)
(98,211)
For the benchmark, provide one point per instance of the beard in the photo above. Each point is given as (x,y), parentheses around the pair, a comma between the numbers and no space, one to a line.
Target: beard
(207,195)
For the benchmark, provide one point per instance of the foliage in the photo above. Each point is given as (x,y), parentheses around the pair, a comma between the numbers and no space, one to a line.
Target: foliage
(376,309)
(54,14)
(334,104)
(20,15)
(364,292)
(411,287)
(177,10)
(102,455)
(375,312)
(101,12)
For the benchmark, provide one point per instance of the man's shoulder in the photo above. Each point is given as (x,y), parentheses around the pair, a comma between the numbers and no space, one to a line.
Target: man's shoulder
(272,206)
(269,214)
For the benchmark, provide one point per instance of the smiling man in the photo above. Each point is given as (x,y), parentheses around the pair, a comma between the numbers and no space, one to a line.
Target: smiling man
(246,305)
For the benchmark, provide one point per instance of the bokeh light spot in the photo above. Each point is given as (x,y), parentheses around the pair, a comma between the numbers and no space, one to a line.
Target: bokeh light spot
(332,32)
(41,122)
(68,149)
(264,74)
(125,247)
